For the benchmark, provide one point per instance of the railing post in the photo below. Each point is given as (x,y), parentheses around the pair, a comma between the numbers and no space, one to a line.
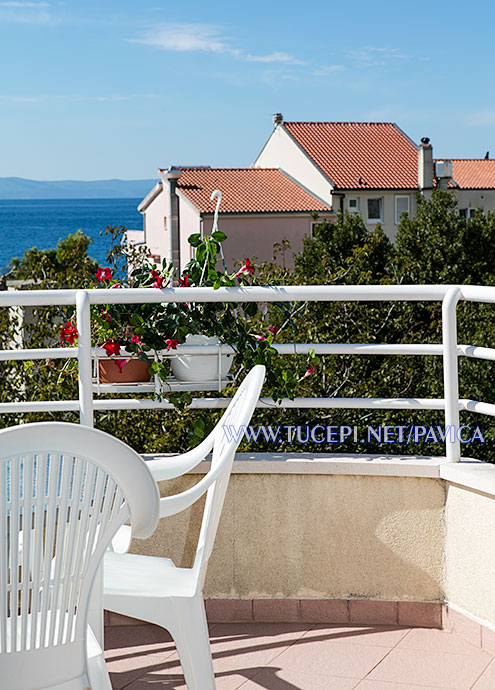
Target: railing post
(450,374)
(83,315)
(84,358)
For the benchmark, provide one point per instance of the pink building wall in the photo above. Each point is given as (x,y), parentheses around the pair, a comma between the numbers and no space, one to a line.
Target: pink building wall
(253,237)
(157,237)
(248,236)
(190,223)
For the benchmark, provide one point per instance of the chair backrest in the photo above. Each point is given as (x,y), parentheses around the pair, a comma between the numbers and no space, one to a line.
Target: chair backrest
(224,440)
(65,490)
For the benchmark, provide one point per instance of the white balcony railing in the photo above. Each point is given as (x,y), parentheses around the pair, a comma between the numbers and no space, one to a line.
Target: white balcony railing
(449,349)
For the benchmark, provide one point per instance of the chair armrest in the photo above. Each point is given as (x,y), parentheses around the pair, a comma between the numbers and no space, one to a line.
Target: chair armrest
(170,505)
(175,466)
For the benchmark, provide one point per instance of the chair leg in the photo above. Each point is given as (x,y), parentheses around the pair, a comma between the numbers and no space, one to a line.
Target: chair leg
(190,633)
(97,670)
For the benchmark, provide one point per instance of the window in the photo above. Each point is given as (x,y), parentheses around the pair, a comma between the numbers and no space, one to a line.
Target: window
(467,212)
(353,205)
(402,204)
(375,210)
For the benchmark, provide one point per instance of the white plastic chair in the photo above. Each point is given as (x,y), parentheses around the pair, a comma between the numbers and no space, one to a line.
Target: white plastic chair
(154,589)
(65,490)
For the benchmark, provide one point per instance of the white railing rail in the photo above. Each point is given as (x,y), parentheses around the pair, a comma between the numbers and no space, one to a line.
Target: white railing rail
(449,349)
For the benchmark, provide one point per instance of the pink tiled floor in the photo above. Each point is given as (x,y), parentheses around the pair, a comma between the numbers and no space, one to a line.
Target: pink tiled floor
(283,656)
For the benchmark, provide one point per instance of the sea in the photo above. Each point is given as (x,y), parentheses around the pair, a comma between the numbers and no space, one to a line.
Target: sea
(42,223)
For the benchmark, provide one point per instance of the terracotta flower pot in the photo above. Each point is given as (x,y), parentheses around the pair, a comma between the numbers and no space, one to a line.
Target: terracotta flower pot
(131,371)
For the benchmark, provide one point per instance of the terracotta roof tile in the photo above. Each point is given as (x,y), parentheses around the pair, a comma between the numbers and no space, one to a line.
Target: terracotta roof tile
(474,173)
(246,190)
(377,153)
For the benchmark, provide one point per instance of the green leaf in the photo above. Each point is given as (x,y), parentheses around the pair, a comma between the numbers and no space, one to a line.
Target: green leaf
(219,236)
(194,239)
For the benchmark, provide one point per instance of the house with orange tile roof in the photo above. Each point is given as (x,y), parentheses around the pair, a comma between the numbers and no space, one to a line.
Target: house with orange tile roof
(360,167)
(372,168)
(260,207)
(473,180)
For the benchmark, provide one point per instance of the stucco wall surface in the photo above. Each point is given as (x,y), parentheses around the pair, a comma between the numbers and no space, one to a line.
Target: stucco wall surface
(470,551)
(157,237)
(254,236)
(476,198)
(388,224)
(321,536)
(282,152)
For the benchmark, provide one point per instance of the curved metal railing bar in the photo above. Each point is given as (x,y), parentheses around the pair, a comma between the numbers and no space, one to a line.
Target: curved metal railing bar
(449,349)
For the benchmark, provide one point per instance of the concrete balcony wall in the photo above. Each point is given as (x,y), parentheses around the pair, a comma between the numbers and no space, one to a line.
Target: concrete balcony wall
(345,529)
(316,535)
(470,551)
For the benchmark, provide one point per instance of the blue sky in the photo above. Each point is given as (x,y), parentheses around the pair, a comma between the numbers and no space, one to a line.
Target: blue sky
(93,90)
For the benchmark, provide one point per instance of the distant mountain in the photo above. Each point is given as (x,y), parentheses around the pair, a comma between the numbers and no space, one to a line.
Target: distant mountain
(20,188)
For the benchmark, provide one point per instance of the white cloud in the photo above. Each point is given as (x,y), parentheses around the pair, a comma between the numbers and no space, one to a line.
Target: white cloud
(107,98)
(78,98)
(372,56)
(186,37)
(17,12)
(25,5)
(22,99)
(326,70)
(277,57)
(207,38)
(483,118)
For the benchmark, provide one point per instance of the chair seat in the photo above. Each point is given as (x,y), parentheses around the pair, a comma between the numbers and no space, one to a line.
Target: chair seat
(127,574)
(153,588)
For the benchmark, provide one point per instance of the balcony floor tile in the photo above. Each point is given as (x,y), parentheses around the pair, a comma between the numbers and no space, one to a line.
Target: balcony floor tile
(288,656)
(440,670)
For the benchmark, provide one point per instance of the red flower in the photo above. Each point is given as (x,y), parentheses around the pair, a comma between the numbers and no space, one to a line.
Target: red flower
(120,363)
(135,340)
(111,348)
(158,279)
(184,282)
(103,274)
(115,285)
(259,337)
(171,343)
(68,333)
(310,370)
(273,330)
(247,268)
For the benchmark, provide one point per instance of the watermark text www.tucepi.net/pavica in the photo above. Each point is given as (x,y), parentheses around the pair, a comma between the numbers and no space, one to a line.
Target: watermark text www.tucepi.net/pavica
(332,433)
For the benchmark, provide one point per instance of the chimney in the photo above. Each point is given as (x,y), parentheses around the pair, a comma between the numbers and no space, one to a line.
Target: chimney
(425,164)
(171,175)
(443,173)
(278,118)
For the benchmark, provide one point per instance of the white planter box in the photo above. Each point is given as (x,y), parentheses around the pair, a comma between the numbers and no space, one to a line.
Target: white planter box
(201,368)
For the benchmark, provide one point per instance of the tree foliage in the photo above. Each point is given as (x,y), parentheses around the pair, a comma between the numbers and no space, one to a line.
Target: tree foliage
(436,246)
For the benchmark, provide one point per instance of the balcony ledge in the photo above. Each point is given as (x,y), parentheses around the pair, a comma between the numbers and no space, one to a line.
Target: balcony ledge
(469,473)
